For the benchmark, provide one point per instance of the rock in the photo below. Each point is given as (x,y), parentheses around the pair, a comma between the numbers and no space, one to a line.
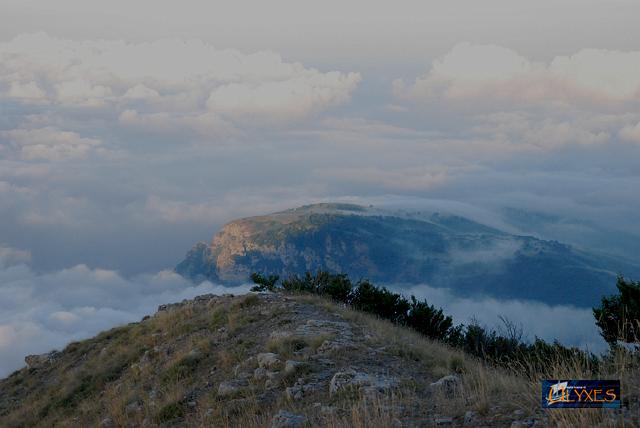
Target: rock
(133,407)
(469,416)
(230,388)
(107,423)
(268,360)
(273,380)
(352,378)
(38,361)
(294,392)
(447,384)
(292,367)
(284,419)
(244,366)
(260,374)
(204,297)
(443,421)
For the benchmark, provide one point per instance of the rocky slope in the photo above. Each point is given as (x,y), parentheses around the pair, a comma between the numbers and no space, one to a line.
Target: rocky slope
(405,248)
(264,361)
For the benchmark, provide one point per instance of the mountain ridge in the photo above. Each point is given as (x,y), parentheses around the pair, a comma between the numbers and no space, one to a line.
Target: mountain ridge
(404,247)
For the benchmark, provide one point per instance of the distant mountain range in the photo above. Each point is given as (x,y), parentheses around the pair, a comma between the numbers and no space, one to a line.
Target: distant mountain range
(403,249)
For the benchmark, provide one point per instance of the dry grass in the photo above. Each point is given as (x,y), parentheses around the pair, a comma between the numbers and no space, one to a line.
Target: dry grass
(142,375)
(484,386)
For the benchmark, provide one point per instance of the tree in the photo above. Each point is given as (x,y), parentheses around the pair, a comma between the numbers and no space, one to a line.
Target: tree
(428,320)
(618,316)
(264,283)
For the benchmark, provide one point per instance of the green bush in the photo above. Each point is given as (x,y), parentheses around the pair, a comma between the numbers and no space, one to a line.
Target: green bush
(506,348)
(618,316)
(264,283)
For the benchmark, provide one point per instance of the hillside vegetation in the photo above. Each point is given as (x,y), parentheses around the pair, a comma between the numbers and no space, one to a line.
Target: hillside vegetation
(283,359)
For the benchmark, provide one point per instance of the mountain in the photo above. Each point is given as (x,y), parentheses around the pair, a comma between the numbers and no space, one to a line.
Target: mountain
(404,248)
(263,360)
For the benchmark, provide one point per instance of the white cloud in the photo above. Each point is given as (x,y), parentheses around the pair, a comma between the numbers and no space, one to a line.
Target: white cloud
(631,133)
(41,312)
(47,143)
(173,77)
(570,325)
(291,98)
(26,91)
(400,179)
(495,73)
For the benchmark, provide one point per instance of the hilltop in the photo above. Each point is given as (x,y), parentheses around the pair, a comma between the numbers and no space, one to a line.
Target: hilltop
(441,250)
(273,360)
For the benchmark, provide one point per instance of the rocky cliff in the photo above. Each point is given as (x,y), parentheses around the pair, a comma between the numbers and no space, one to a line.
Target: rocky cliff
(404,248)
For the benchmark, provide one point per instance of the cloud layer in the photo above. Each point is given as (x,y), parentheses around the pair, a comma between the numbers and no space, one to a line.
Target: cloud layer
(492,72)
(169,76)
(570,325)
(40,312)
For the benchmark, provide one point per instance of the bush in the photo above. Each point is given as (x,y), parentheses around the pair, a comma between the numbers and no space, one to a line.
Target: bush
(618,316)
(336,286)
(506,348)
(367,297)
(428,320)
(264,283)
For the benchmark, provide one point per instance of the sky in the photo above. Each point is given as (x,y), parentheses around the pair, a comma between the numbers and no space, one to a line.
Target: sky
(131,130)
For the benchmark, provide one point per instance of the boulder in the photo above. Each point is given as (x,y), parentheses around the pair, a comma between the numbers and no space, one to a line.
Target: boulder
(268,360)
(107,423)
(469,416)
(260,374)
(38,361)
(292,367)
(447,420)
(447,384)
(354,379)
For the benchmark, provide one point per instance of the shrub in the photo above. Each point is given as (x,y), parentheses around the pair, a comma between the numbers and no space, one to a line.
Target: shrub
(506,348)
(264,283)
(336,286)
(618,316)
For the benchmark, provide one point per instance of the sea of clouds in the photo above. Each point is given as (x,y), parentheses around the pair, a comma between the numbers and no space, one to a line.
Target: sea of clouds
(42,312)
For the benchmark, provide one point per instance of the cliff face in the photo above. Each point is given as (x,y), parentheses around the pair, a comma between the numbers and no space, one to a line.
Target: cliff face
(403,248)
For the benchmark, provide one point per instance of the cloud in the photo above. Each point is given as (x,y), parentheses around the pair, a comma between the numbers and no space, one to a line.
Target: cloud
(11,256)
(471,71)
(631,133)
(569,325)
(404,179)
(40,312)
(177,78)
(292,98)
(28,91)
(47,143)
